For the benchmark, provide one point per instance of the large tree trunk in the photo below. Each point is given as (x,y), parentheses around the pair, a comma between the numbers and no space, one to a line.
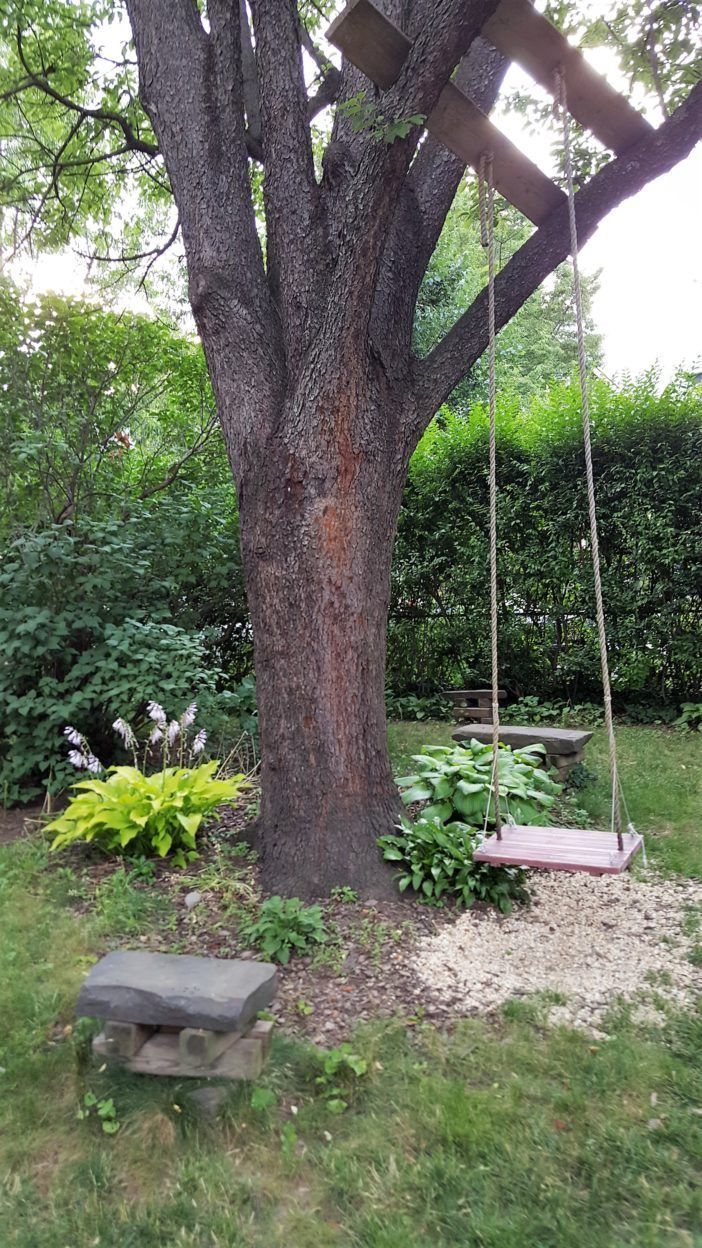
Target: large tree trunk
(310,357)
(319,505)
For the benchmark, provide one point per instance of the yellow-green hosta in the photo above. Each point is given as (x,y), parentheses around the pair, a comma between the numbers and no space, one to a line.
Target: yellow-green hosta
(131,813)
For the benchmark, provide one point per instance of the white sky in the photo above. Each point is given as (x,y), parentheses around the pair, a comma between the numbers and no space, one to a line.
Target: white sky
(649,251)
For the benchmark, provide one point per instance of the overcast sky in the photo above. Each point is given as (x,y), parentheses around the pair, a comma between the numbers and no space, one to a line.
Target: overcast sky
(649,251)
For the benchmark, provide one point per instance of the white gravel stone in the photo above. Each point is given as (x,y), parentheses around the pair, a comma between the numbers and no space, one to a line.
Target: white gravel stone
(592,939)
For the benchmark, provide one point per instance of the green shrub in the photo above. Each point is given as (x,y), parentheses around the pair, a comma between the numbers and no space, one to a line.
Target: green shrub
(531,710)
(410,706)
(130,813)
(284,926)
(74,649)
(647,446)
(455,782)
(690,716)
(436,860)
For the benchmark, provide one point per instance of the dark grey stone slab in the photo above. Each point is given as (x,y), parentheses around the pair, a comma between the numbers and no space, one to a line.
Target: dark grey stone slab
(556,740)
(173,990)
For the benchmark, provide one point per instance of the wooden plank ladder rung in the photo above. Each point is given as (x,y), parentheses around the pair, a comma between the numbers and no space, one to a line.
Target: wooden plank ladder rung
(524,35)
(378,47)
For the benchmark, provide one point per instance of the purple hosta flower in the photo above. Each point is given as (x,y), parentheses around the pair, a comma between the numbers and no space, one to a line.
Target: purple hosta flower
(73,736)
(124,730)
(78,759)
(173,731)
(156,712)
(199,742)
(156,736)
(93,764)
(188,716)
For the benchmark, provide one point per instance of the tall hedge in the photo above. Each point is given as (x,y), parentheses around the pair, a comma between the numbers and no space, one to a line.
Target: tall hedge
(648,457)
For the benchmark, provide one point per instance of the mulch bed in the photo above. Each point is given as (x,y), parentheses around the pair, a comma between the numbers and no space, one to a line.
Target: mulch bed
(363,972)
(13,822)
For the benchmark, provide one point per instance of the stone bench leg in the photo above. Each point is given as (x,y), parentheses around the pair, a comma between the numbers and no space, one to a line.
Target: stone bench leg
(198,1047)
(187,1051)
(125,1039)
(564,763)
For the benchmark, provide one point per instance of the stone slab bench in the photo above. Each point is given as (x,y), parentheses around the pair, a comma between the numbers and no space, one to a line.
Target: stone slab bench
(167,1014)
(565,747)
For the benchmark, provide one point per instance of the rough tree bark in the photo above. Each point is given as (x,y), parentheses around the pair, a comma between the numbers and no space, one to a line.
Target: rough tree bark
(320,398)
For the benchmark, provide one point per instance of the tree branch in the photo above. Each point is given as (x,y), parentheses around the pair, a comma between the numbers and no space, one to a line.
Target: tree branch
(191,85)
(294,241)
(175,469)
(153,252)
(429,190)
(252,96)
(440,44)
(657,153)
(132,140)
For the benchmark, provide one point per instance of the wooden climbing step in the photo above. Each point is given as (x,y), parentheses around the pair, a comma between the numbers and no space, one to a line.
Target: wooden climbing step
(560,849)
(378,47)
(524,35)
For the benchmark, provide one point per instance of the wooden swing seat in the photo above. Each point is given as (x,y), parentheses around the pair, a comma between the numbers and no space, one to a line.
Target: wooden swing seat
(560,849)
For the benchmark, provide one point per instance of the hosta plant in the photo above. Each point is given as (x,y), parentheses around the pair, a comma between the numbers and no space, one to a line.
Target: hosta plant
(284,926)
(455,783)
(130,813)
(435,859)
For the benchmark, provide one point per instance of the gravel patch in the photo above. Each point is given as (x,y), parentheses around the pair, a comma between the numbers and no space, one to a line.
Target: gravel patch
(590,939)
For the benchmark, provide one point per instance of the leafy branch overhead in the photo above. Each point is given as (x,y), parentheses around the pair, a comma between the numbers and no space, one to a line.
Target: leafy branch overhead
(365,118)
(76,138)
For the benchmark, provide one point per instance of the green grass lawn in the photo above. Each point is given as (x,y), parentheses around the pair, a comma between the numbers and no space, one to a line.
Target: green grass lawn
(505,1134)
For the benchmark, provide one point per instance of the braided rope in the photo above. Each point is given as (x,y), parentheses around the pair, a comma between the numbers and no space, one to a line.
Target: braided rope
(486,192)
(589,475)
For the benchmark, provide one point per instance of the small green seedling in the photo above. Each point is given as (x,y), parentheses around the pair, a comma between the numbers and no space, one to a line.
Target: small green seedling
(263,1098)
(340,1070)
(344,893)
(103,1109)
(283,927)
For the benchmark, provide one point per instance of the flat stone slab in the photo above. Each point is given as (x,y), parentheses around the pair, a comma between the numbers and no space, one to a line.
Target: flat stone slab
(555,740)
(174,990)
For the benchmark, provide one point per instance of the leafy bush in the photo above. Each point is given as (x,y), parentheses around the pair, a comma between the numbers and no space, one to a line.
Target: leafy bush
(140,815)
(284,926)
(531,710)
(410,706)
(647,446)
(690,716)
(436,861)
(456,782)
(649,712)
(74,651)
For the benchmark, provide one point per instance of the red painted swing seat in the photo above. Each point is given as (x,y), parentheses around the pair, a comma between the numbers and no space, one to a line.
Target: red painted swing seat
(560,849)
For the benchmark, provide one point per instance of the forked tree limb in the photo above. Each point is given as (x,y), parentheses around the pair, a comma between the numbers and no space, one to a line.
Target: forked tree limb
(191,85)
(294,240)
(441,371)
(378,179)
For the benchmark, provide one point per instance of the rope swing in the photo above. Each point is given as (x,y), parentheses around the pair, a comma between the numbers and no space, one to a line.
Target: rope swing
(562,106)
(486,192)
(548,847)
